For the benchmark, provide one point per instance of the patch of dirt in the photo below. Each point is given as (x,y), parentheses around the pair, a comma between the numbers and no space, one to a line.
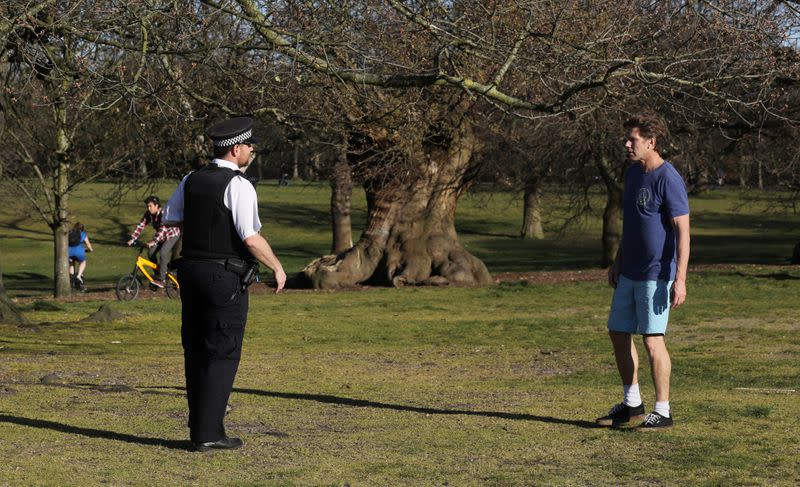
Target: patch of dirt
(103,315)
(113,388)
(53,378)
(552,277)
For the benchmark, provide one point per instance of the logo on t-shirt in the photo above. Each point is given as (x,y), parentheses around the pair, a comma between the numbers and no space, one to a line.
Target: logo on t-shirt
(644,197)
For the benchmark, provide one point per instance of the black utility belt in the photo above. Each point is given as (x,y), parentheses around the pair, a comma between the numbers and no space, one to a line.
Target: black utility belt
(238,266)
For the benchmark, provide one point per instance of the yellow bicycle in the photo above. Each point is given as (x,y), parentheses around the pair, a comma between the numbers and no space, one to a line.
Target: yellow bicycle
(129,284)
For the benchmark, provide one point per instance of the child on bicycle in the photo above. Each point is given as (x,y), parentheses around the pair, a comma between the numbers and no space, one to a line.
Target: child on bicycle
(163,240)
(77,239)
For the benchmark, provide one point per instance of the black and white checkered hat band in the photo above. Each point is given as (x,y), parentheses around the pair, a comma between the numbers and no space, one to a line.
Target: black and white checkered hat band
(234,140)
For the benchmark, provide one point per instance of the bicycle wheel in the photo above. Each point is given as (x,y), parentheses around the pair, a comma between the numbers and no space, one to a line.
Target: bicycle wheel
(127,288)
(171,286)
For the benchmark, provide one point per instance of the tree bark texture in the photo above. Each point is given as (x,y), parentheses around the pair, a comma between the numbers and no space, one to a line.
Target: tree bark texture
(613,178)
(612,226)
(341,199)
(296,161)
(532,211)
(410,237)
(59,224)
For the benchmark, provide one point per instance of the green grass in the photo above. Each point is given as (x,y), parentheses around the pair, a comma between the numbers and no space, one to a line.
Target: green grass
(491,386)
(297,224)
(415,386)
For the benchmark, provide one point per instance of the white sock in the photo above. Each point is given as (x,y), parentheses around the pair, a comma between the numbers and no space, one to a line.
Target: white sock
(662,408)
(632,397)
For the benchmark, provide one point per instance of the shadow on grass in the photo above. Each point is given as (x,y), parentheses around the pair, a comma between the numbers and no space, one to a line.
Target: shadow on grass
(775,276)
(94,433)
(485,233)
(738,249)
(122,232)
(317,219)
(519,255)
(731,220)
(29,234)
(363,403)
(26,283)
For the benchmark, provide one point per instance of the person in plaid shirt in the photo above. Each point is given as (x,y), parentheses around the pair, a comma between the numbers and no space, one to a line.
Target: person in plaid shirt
(163,241)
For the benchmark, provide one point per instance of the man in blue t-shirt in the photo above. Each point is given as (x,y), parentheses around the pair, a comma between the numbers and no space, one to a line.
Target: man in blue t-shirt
(649,272)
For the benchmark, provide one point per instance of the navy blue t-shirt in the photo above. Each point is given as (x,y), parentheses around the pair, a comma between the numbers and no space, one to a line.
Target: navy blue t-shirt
(650,203)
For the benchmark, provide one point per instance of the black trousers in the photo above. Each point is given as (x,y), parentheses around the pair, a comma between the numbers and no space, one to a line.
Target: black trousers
(211,333)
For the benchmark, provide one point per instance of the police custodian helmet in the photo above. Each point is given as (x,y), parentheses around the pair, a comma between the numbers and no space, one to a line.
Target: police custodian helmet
(233,131)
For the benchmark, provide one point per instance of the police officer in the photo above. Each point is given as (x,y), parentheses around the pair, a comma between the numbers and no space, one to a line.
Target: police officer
(219,211)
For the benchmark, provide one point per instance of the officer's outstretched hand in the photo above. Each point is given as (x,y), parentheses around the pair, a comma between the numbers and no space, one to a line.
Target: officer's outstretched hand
(130,242)
(280,277)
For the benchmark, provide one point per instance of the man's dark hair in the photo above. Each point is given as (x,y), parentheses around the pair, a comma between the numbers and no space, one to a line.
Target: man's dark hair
(219,152)
(152,199)
(651,126)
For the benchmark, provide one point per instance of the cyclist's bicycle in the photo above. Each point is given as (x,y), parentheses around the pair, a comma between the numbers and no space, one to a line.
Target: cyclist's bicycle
(129,284)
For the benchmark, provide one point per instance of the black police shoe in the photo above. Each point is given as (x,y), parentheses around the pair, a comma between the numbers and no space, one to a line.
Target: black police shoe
(223,444)
(621,414)
(655,422)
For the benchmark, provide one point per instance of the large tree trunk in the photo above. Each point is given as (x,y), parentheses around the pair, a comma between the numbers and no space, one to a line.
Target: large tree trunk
(612,215)
(341,198)
(612,226)
(59,224)
(410,236)
(296,160)
(532,212)
(61,260)
(760,168)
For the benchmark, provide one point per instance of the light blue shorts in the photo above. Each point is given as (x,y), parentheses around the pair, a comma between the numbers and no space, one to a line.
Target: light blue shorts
(640,307)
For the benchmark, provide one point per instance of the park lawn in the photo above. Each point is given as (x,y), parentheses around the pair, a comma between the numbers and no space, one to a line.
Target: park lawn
(415,386)
(728,226)
(449,386)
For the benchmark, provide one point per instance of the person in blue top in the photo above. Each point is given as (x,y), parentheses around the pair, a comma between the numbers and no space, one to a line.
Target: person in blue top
(76,239)
(649,272)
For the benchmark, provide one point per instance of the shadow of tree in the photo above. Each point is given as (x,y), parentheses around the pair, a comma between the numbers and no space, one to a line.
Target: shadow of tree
(28,283)
(94,433)
(775,276)
(30,234)
(123,231)
(307,217)
(483,233)
(26,275)
(294,215)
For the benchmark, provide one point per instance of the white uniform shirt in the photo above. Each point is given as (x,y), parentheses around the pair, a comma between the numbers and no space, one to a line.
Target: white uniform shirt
(240,198)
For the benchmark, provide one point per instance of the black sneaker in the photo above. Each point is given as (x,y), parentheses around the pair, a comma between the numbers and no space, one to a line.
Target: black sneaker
(655,422)
(621,414)
(223,444)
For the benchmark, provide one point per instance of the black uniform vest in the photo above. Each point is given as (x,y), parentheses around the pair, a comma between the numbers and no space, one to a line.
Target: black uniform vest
(208,230)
